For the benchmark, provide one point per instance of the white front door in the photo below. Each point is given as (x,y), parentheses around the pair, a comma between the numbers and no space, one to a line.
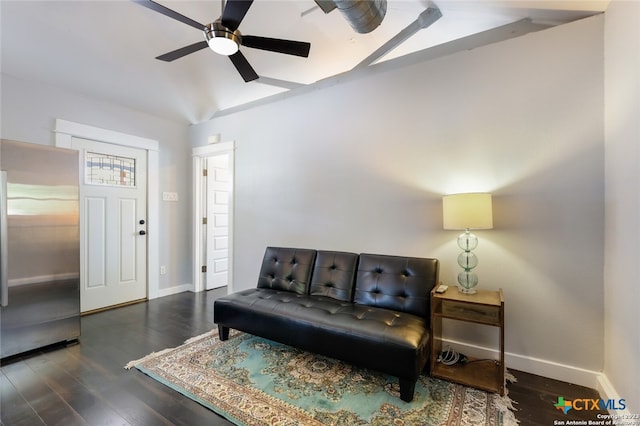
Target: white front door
(218,196)
(113,242)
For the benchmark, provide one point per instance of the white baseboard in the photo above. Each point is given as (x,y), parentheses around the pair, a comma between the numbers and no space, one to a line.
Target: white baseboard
(162,292)
(540,367)
(553,370)
(14,282)
(607,391)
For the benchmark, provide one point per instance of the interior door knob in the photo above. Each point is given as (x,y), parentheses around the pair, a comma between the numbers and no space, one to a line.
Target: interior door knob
(142,233)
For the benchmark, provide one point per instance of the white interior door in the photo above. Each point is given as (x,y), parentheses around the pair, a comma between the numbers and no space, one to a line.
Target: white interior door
(113,242)
(218,196)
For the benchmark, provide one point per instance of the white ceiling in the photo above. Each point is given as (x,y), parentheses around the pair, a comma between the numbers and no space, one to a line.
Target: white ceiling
(106,49)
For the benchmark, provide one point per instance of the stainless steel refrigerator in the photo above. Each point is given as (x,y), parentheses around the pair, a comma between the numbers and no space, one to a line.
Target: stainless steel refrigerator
(40,247)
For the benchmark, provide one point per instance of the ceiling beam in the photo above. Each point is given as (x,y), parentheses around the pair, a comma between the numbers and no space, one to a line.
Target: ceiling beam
(484,38)
(286,84)
(425,19)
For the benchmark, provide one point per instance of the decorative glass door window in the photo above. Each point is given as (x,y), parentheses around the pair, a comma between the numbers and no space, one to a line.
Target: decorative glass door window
(112,170)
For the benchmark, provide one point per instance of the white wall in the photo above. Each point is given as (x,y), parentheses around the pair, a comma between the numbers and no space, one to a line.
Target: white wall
(28,113)
(362,165)
(622,133)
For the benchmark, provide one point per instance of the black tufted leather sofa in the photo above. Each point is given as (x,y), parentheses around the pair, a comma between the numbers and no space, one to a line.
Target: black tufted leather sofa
(369,310)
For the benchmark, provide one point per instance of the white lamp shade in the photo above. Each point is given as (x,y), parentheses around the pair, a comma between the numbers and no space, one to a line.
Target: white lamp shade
(467,211)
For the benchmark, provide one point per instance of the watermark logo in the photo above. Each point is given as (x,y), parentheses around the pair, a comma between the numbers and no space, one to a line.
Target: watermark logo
(587,404)
(563,405)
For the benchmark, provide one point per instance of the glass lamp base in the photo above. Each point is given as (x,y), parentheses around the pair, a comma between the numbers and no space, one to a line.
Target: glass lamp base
(467,281)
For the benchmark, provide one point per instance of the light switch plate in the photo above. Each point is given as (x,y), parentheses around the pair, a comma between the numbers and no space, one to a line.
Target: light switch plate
(169,196)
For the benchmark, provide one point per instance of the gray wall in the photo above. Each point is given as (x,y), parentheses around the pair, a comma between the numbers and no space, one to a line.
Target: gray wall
(362,166)
(622,294)
(29,111)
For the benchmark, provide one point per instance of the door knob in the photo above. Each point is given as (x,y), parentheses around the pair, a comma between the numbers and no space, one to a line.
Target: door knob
(142,233)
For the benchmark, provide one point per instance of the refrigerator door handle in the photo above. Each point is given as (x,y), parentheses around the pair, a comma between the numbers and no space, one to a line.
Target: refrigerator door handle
(4,282)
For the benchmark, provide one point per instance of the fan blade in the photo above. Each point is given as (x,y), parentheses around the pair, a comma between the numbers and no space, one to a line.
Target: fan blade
(244,67)
(234,12)
(183,51)
(289,47)
(170,13)
(326,5)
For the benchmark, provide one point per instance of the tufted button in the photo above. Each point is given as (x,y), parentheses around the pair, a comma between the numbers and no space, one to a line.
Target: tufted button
(333,267)
(378,270)
(294,261)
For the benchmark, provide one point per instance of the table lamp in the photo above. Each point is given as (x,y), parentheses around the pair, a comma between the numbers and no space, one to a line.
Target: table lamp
(467,211)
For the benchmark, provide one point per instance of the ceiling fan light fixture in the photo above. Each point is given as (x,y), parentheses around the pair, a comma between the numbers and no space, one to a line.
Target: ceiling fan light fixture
(221,40)
(223,46)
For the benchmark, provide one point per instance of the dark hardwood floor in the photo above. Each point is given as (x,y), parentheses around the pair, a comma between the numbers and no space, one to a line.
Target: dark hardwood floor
(86,384)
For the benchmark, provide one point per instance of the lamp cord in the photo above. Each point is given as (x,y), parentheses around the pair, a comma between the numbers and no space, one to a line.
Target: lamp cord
(450,356)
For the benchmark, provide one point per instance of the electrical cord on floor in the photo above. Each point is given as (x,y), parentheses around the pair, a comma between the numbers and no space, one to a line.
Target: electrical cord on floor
(450,356)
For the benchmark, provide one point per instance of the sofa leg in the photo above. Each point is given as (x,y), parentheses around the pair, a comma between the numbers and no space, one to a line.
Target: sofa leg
(407,388)
(223,332)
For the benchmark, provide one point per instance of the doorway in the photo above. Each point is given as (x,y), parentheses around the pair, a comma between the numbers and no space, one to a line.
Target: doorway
(113,218)
(213,167)
(66,132)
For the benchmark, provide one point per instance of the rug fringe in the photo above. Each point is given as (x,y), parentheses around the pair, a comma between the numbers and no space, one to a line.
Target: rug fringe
(505,404)
(202,336)
(152,355)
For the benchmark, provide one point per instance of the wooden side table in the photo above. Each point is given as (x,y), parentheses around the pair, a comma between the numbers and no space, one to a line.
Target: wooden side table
(485,307)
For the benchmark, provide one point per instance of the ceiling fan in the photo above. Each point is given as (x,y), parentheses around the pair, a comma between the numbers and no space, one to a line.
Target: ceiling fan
(223,37)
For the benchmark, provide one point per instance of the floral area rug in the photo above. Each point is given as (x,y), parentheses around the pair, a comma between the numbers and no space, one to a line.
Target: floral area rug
(254,381)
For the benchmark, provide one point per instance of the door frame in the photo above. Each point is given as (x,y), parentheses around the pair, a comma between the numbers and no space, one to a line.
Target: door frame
(200,154)
(66,130)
